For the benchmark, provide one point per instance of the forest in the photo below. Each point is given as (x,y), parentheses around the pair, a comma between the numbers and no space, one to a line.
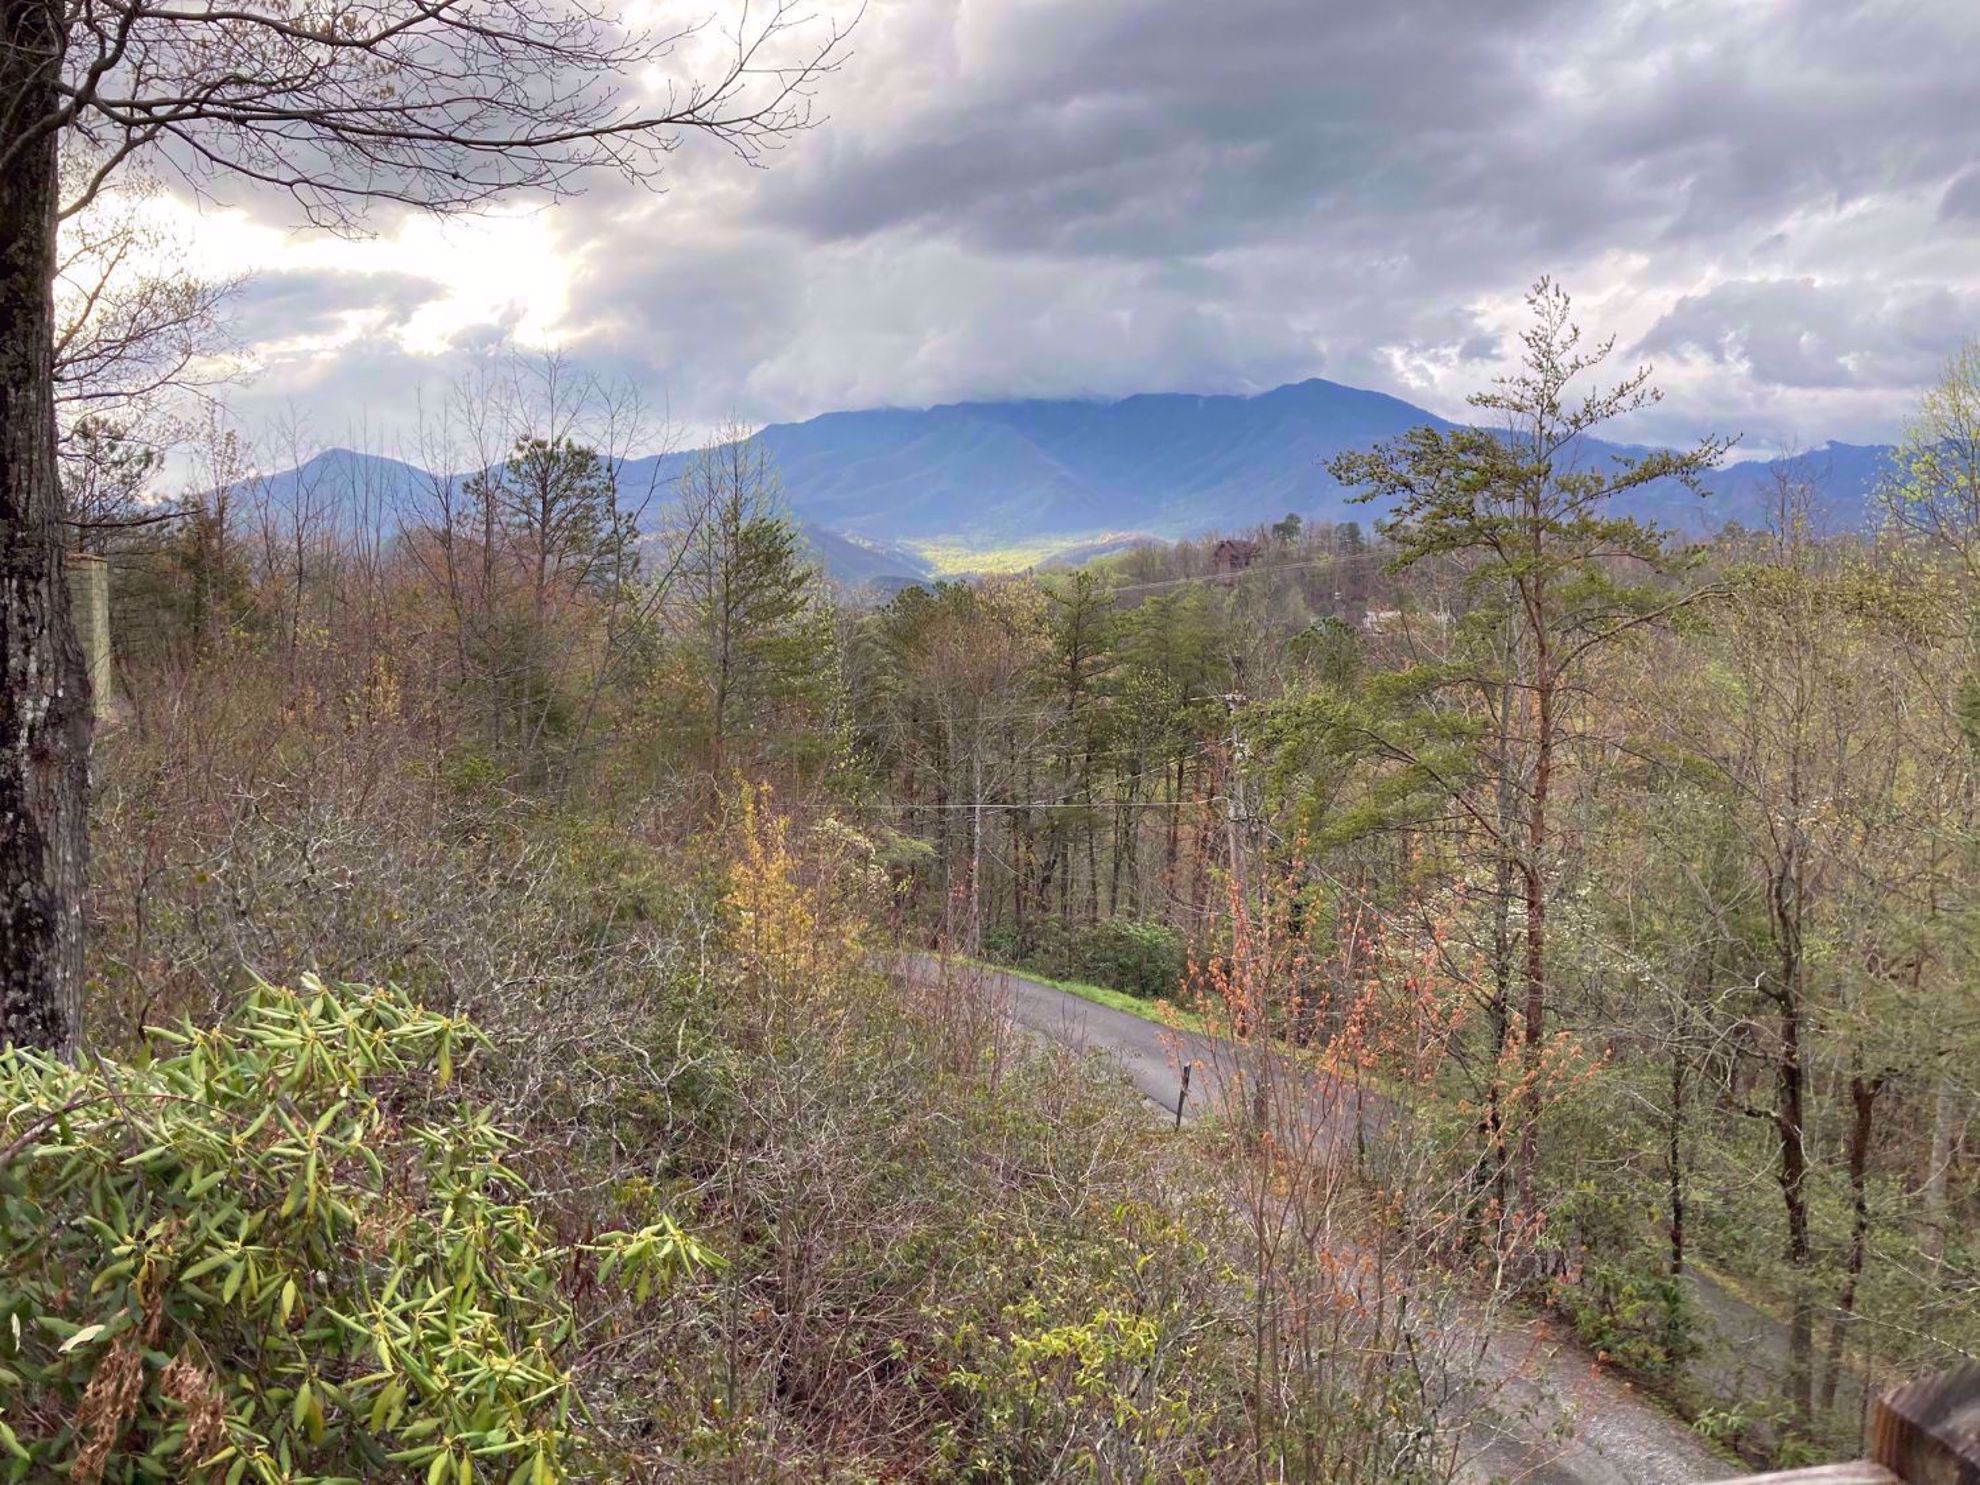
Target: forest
(518,976)
(1630,879)
(1646,867)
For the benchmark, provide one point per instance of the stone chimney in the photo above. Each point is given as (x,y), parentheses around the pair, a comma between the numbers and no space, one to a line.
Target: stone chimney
(89,600)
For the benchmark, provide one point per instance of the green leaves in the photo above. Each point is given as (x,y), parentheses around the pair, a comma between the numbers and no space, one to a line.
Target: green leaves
(293,1256)
(652,1259)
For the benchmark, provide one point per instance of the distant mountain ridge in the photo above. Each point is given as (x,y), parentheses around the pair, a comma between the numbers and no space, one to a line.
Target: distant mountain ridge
(871,486)
(347,483)
(988,474)
(991,474)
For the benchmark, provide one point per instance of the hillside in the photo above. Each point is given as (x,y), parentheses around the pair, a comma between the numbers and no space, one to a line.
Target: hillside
(984,475)
(991,473)
(720,964)
(891,495)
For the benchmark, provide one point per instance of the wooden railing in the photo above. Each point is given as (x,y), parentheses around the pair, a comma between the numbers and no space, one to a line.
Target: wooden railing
(1925,1433)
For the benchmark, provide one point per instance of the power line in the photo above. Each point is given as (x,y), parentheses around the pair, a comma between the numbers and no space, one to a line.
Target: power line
(1220,577)
(1098,806)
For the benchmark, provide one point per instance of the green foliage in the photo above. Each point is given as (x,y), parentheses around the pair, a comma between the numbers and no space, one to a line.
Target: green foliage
(1128,954)
(1934,475)
(1641,1321)
(281,1250)
(519,681)
(1350,762)
(558,502)
(1329,650)
(1969,712)
(470,774)
(756,634)
(1081,1377)
(178,588)
(1522,499)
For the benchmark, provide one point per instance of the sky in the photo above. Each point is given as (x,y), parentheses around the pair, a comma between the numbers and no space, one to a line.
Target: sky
(1776,202)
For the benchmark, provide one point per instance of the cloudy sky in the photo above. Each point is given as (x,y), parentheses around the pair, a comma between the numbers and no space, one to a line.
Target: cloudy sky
(1776,201)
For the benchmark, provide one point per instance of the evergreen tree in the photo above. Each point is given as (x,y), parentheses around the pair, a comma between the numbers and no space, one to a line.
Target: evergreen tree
(1532,525)
(751,613)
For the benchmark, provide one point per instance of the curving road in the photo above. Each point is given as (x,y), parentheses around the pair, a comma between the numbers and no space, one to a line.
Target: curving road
(1556,1418)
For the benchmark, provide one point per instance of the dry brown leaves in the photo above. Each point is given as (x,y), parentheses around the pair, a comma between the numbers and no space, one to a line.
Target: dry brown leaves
(197,1391)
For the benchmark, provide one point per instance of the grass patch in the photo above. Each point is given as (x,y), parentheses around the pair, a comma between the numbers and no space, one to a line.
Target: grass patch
(955,556)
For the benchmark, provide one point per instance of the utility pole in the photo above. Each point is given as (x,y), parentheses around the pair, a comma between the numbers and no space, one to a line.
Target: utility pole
(1237,817)
(1237,830)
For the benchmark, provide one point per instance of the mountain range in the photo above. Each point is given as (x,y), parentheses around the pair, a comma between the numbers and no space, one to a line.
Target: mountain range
(894,494)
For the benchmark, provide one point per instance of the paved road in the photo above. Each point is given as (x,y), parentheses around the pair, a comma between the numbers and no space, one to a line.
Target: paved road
(1151,1054)
(1556,1418)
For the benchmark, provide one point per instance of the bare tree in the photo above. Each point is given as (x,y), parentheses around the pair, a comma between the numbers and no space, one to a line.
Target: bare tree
(139,347)
(436,104)
(532,545)
(1931,500)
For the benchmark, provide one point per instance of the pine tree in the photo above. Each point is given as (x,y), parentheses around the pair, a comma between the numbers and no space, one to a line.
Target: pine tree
(1523,513)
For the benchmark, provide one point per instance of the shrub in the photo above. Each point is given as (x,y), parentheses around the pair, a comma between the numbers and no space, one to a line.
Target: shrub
(279,1251)
(1125,954)
(1104,1362)
(1141,958)
(1640,1321)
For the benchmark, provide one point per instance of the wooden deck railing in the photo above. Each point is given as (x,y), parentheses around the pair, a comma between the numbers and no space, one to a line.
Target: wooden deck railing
(1925,1433)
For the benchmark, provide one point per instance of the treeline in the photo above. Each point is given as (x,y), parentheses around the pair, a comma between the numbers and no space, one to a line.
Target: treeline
(581,779)
(1682,836)
(541,625)
(1062,742)
(1668,848)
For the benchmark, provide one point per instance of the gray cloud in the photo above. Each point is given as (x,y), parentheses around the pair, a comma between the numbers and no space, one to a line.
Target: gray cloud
(288,304)
(1798,333)
(1163,126)
(1073,197)
(1962,198)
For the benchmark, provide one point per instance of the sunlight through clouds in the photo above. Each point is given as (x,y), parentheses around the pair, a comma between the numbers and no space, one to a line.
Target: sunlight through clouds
(503,272)
(1098,197)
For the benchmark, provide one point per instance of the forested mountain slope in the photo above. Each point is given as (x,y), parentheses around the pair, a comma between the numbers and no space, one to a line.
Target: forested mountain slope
(1166,464)
(984,475)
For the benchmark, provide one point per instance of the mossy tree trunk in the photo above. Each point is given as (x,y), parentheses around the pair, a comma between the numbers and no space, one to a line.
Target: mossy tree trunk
(44,692)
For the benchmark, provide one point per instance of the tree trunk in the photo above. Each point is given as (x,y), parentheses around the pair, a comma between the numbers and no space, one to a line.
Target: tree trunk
(1932,1196)
(1171,855)
(1127,844)
(1863,1099)
(1674,1155)
(976,850)
(1536,942)
(1025,877)
(44,695)
(1790,1121)
(1499,1012)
